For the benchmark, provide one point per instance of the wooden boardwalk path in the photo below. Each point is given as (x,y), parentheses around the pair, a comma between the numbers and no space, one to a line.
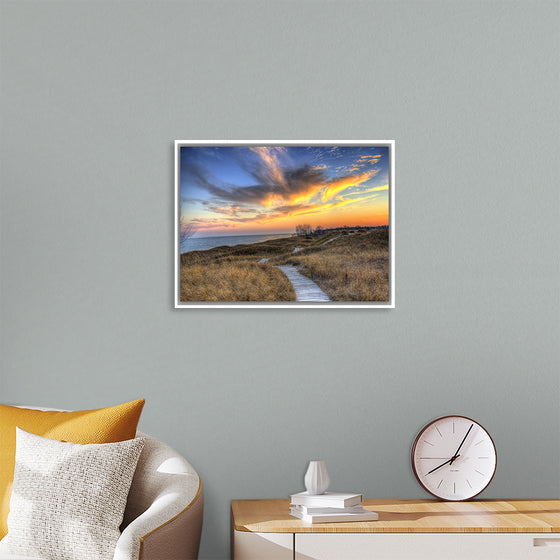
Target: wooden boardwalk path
(305,288)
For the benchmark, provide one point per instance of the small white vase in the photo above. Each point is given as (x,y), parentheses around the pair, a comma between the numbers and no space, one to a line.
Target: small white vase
(316,478)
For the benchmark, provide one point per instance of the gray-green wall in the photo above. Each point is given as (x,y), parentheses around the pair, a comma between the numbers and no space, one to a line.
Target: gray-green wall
(93,95)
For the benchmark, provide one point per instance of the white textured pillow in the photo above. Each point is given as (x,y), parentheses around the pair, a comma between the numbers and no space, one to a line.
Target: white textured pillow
(68,499)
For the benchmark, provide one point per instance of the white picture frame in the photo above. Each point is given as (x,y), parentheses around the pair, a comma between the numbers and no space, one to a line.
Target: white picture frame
(278,144)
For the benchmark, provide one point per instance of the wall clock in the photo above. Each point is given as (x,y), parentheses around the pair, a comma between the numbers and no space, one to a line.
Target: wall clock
(454,458)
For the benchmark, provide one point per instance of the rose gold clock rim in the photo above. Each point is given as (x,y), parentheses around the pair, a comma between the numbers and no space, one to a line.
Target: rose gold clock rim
(414,449)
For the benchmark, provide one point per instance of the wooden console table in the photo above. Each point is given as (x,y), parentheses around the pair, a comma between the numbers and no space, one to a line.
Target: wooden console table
(406,529)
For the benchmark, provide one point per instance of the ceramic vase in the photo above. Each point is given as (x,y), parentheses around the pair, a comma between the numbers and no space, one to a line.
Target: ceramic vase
(316,478)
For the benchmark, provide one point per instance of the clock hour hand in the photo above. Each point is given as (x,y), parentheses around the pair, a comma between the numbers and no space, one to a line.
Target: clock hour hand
(461,445)
(443,464)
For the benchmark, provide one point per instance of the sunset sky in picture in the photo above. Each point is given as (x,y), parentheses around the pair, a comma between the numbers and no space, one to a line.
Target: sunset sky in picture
(243,190)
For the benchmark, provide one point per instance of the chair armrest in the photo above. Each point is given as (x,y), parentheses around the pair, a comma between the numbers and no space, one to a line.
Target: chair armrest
(161,532)
(163,517)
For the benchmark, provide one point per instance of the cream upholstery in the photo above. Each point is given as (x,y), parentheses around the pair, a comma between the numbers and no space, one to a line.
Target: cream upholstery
(163,516)
(164,509)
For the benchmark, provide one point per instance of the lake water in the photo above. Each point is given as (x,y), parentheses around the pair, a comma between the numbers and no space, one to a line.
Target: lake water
(205,243)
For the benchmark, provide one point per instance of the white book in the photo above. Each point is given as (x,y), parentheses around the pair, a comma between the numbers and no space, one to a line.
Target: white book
(365,515)
(312,510)
(328,499)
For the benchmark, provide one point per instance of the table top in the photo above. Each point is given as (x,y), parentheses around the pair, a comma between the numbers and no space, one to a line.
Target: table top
(409,516)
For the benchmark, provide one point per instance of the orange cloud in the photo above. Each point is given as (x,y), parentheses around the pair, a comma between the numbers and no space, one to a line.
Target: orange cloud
(331,214)
(297,197)
(381,188)
(306,195)
(369,159)
(338,185)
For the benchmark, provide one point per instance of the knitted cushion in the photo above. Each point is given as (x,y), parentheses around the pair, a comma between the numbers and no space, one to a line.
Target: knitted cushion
(103,425)
(68,499)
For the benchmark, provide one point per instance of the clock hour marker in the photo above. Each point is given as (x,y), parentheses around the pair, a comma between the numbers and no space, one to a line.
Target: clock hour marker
(438,432)
(479,472)
(440,483)
(453,426)
(468,482)
(454,489)
(429,443)
(432,457)
(484,457)
(479,442)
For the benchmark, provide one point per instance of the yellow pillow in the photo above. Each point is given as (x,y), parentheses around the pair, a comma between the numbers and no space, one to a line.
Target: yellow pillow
(104,425)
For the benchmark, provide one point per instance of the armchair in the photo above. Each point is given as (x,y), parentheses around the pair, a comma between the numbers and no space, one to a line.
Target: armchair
(163,516)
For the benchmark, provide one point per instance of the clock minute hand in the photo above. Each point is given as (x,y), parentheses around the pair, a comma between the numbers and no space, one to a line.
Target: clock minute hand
(443,464)
(461,445)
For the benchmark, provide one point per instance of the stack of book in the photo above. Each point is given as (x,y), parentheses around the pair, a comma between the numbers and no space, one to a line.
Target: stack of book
(330,507)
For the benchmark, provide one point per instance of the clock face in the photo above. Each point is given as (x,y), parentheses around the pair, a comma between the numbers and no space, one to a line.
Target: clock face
(454,458)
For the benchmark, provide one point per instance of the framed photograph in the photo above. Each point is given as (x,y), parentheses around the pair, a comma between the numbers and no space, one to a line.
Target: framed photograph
(285,223)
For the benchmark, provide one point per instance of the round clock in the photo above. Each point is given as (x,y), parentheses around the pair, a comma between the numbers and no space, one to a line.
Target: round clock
(454,458)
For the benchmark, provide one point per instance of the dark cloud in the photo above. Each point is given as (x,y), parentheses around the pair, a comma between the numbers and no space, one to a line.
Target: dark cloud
(275,183)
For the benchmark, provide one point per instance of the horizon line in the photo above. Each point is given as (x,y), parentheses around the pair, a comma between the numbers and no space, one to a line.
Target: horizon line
(282,232)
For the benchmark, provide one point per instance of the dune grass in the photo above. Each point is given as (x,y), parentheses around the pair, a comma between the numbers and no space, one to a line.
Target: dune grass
(348,266)
(353,267)
(234,281)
